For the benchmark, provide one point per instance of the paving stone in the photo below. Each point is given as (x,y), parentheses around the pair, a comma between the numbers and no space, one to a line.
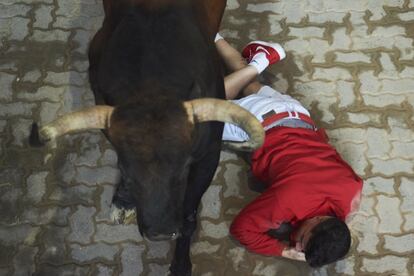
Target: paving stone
(409,222)
(345,91)
(62,270)
(43,16)
(332,74)
(46,215)
(215,231)
(397,87)
(90,8)
(389,214)
(407,193)
(359,118)
(6,81)
(105,270)
(369,83)
(376,185)
(383,100)
(88,23)
(18,234)
(315,87)
(48,112)
(65,78)
(50,36)
(367,228)
(54,246)
(44,93)
(98,251)
(355,135)
(399,131)
(105,203)
(385,264)
(82,225)
(400,244)
(325,17)
(82,39)
(117,233)
(378,145)
(109,158)
(3,125)
(263,270)
(32,76)
(158,249)
(74,100)
(307,32)
(23,262)
(96,176)
(19,28)
(402,149)
(264,7)
(237,255)
(389,70)
(352,57)
(203,247)
(20,131)
(408,16)
(232,5)
(16,108)
(232,177)
(131,260)
(345,266)
(7,252)
(72,195)
(156,269)
(9,11)
(391,166)
(88,157)
(354,154)
(211,203)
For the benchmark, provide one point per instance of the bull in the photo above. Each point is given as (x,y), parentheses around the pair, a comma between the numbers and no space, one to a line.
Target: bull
(158,86)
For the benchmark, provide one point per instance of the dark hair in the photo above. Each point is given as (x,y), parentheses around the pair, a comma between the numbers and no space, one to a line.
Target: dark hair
(330,241)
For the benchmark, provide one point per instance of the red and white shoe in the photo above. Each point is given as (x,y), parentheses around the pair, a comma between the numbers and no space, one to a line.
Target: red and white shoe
(273,51)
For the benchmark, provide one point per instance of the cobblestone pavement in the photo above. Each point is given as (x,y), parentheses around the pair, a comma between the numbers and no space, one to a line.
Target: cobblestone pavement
(350,62)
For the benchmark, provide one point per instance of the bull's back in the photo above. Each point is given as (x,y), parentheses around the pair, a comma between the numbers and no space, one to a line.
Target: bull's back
(163,47)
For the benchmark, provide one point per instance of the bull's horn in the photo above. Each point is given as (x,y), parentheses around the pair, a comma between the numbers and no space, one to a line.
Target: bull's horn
(96,117)
(207,109)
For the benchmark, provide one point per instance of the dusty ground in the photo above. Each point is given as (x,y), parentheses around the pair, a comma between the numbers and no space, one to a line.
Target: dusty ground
(350,62)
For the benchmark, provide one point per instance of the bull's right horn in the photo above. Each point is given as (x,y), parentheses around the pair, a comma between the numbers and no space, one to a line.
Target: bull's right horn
(208,109)
(96,117)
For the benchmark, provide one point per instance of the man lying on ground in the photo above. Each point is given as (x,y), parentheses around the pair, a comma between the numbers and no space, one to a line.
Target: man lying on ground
(310,189)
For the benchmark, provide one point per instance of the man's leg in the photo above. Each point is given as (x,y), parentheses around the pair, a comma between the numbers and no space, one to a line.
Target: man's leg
(260,55)
(243,76)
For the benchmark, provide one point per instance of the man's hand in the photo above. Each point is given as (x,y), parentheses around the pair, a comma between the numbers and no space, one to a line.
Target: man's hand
(292,253)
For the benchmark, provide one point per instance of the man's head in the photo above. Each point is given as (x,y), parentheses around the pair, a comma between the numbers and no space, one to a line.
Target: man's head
(324,240)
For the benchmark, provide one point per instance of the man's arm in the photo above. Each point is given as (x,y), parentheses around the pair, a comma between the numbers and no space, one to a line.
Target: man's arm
(251,225)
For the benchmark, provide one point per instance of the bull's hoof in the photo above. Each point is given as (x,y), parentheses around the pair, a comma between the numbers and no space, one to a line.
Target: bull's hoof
(122,215)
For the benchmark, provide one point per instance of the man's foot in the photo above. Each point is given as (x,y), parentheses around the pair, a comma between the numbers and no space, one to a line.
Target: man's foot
(261,54)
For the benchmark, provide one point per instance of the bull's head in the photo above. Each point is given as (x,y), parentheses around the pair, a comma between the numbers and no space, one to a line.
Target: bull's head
(154,147)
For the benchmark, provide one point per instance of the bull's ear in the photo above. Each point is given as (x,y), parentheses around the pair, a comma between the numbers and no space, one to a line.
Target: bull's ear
(195,91)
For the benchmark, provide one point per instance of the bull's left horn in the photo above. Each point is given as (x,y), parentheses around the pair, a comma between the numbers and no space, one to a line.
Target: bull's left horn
(208,109)
(96,117)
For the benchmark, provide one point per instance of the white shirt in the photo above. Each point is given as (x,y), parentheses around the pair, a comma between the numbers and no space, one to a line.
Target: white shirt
(264,101)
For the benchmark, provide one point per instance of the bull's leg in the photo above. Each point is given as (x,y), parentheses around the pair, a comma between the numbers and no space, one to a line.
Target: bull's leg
(200,177)
(212,11)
